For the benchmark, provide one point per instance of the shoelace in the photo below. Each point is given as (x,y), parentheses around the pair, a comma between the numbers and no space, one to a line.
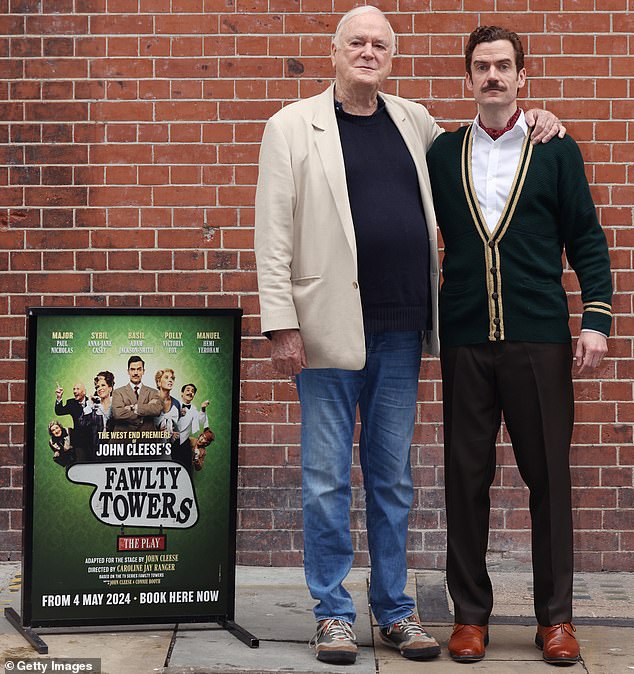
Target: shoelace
(410,627)
(337,629)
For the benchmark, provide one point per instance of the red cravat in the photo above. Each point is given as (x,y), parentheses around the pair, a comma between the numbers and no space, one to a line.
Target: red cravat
(496,133)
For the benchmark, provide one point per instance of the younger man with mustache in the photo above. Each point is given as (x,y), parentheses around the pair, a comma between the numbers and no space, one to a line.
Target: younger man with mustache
(507,209)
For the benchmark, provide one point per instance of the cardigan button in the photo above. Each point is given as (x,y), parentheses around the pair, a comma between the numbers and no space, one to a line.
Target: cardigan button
(496,321)
(491,244)
(494,296)
(496,334)
(355,285)
(493,270)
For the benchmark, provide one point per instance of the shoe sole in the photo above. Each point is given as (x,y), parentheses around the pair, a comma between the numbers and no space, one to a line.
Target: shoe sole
(422,653)
(563,662)
(467,658)
(555,661)
(414,654)
(337,657)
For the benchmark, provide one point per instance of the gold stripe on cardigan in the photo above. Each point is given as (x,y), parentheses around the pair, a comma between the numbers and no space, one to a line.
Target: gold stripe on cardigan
(605,305)
(598,311)
(491,240)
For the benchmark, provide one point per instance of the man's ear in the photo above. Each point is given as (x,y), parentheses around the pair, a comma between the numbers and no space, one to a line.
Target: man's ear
(468,81)
(521,78)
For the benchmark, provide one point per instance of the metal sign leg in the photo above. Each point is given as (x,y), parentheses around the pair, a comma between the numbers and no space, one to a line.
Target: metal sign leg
(240,633)
(34,639)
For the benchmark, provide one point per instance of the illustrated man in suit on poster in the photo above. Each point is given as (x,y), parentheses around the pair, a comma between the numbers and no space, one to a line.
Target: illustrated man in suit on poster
(74,407)
(135,405)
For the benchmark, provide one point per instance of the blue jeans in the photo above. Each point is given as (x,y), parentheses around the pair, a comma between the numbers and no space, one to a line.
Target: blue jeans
(385,391)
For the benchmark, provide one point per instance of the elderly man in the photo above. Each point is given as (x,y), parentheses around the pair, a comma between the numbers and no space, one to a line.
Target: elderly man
(80,436)
(348,275)
(507,210)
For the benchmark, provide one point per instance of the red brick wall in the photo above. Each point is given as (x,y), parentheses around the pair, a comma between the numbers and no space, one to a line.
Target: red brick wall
(129,135)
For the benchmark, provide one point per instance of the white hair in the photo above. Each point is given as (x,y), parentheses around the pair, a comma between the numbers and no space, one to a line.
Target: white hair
(363,9)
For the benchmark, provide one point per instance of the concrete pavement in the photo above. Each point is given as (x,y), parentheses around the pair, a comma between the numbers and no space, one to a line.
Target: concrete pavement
(274,605)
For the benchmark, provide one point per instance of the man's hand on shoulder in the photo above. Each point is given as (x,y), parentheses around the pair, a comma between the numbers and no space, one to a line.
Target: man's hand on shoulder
(591,347)
(287,352)
(546,125)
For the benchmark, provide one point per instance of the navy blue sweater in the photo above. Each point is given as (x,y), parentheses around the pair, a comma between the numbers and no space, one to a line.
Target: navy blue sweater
(389,222)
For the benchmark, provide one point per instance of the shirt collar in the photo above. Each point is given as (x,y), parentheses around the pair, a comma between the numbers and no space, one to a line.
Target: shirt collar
(520,129)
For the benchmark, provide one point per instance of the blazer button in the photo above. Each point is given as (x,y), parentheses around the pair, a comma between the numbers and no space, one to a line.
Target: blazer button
(494,296)
(496,334)
(493,270)
(496,321)
(491,244)
(355,285)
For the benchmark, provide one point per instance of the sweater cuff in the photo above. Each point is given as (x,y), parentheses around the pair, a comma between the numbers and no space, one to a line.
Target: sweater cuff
(597,316)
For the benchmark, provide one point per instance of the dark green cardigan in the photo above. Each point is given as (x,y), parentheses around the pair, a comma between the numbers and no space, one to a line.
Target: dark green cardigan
(506,285)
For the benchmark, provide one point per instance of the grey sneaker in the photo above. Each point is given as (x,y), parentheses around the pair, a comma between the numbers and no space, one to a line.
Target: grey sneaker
(335,642)
(409,637)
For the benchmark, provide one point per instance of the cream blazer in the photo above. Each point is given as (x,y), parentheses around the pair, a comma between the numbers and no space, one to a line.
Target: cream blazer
(304,236)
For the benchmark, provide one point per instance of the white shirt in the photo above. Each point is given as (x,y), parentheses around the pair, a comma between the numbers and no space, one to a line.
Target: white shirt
(494,166)
(191,423)
(168,421)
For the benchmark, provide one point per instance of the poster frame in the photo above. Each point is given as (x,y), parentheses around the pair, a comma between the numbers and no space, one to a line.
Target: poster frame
(226,618)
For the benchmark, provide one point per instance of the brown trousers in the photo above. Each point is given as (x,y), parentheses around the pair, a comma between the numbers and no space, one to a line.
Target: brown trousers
(531,384)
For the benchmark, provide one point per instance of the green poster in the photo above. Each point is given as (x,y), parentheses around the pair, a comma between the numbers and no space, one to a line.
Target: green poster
(131,466)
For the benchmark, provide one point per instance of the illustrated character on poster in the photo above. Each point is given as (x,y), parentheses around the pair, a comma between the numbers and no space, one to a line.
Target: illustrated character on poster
(167,420)
(199,447)
(98,417)
(80,436)
(135,405)
(191,421)
(59,442)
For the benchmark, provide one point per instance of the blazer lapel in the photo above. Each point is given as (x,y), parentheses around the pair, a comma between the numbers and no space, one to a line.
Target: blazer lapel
(128,395)
(144,394)
(413,144)
(329,147)
(417,152)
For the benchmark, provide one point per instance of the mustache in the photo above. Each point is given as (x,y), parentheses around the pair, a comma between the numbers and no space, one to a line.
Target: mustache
(493,87)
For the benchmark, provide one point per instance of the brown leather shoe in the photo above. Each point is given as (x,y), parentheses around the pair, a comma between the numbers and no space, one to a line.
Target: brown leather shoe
(558,643)
(467,642)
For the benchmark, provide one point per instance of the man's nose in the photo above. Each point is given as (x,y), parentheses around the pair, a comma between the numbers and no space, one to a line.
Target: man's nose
(367,51)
